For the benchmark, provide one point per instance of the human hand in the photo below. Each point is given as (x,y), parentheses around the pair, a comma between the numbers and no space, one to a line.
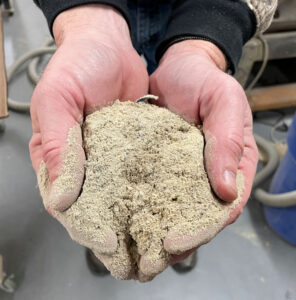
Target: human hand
(94,64)
(191,82)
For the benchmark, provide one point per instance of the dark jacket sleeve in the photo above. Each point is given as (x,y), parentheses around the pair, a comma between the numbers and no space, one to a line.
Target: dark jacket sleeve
(51,8)
(227,23)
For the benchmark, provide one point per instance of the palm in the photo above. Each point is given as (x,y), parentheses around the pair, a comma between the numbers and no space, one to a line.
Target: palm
(81,77)
(99,73)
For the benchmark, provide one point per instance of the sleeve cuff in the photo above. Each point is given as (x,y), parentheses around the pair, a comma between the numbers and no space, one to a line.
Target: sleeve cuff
(51,8)
(228,24)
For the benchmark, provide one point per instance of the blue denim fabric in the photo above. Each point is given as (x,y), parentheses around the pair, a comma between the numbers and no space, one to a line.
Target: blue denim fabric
(149,20)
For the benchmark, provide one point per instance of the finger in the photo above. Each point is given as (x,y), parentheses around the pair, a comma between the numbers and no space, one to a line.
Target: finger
(104,240)
(120,263)
(117,270)
(247,166)
(175,243)
(153,263)
(57,141)
(69,164)
(223,119)
(66,187)
(35,147)
(177,258)
(143,278)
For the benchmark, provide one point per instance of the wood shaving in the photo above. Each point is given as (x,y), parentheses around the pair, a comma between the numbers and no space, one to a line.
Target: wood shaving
(144,177)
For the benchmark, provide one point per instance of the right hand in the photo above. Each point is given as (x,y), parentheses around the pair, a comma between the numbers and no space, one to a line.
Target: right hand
(95,64)
(206,95)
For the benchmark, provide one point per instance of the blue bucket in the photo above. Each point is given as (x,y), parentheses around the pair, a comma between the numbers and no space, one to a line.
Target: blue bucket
(283,220)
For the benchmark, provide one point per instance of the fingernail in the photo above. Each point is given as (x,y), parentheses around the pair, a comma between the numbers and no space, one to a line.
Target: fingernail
(230,179)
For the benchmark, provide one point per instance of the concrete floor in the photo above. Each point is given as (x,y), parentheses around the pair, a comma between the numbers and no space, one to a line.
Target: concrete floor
(246,261)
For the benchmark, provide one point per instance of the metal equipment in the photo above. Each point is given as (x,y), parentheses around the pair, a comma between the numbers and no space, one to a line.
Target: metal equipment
(279,42)
(7,283)
(8,10)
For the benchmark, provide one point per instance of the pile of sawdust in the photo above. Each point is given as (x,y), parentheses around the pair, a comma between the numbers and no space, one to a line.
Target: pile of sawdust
(144,177)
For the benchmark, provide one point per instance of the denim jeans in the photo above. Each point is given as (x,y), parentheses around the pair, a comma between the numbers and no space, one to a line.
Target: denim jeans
(148,20)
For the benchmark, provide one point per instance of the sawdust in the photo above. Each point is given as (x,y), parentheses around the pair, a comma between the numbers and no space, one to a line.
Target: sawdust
(144,178)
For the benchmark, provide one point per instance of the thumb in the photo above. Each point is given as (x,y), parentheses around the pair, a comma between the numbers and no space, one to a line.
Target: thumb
(223,121)
(57,141)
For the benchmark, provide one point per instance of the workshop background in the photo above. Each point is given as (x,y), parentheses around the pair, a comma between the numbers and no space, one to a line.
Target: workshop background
(248,260)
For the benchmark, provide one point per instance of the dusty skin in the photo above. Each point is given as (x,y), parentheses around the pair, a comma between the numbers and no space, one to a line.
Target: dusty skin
(144,179)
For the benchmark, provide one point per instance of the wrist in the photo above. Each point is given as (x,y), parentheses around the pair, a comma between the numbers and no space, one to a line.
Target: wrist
(95,21)
(203,48)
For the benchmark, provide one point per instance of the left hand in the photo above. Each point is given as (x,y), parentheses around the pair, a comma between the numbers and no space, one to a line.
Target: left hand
(191,82)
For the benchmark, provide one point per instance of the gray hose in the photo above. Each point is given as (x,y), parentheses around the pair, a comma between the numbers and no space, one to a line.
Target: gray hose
(273,160)
(274,200)
(32,72)
(264,63)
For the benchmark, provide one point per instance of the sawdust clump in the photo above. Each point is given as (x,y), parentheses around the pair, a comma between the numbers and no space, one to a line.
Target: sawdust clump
(144,178)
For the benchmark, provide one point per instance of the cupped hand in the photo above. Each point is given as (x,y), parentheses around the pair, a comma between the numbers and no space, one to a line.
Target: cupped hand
(191,82)
(94,64)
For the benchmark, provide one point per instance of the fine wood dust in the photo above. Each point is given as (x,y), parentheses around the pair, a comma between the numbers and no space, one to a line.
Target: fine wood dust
(144,178)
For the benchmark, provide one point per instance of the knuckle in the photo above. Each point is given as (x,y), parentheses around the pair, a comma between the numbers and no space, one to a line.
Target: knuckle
(67,93)
(252,155)
(44,86)
(235,144)
(233,88)
(51,152)
(232,84)
(31,145)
